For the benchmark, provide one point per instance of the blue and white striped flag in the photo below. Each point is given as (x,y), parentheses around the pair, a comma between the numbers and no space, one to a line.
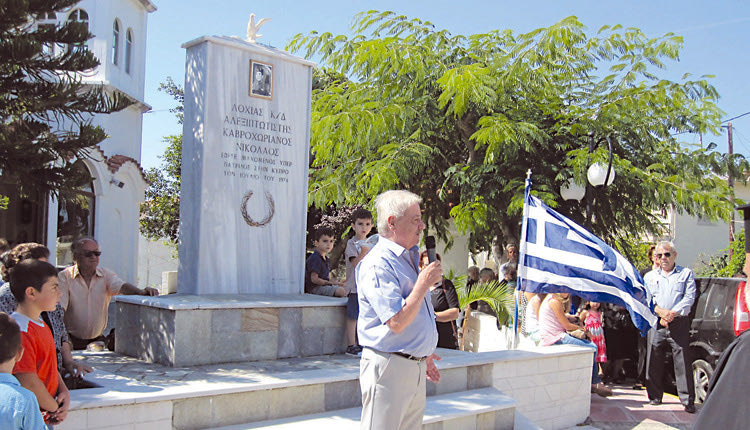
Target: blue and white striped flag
(559,256)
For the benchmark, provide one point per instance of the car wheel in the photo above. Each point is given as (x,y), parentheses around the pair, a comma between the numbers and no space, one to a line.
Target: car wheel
(702,372)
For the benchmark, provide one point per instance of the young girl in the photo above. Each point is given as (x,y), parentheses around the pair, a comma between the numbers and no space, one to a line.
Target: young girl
(592,317)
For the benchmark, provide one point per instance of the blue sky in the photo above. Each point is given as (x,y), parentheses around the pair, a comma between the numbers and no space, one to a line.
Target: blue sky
(716,36)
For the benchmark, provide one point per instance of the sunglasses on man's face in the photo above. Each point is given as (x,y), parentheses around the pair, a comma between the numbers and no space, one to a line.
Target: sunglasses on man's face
(90,254)
(665,255)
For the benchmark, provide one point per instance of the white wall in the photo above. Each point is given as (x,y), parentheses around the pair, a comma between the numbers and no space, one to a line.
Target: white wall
(154,257)
(131,14)
(695,238)
(455,258)
(116,215)
(124,130)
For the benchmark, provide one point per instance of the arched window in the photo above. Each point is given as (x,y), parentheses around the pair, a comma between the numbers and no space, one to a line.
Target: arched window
(47,21)
(79,15)
(75,215)
(115,42)
(128,50)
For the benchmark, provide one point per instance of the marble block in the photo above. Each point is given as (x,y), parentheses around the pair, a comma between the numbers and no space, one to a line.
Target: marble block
(181,330)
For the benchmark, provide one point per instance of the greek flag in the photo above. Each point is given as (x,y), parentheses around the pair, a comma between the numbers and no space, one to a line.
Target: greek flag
(559,256)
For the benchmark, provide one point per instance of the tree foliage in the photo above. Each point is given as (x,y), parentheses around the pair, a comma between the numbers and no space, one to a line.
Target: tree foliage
(726,263)
(460,119)
(160,211)
(45,107)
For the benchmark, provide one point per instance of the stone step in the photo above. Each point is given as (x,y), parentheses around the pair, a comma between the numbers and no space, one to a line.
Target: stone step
(219,395)
(485,408)
(550,385)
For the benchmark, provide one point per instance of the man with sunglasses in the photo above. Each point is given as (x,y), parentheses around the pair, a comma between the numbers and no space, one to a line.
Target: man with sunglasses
(87,290)
(673,290)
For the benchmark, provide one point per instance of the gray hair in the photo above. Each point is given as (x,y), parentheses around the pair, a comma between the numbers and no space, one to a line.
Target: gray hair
(667,244)
(393,203)
(78,243)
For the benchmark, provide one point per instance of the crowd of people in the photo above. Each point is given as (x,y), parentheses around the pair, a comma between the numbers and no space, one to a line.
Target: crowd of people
(606,328)
(399,307)
(44,315)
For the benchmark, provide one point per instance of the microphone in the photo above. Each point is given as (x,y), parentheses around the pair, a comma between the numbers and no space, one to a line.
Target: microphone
(429,242)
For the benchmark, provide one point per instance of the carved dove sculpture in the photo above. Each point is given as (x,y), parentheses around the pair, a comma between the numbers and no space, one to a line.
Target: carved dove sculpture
(252,28)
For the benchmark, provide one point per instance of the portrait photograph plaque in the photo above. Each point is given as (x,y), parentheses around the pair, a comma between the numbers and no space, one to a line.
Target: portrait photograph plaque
(261,80)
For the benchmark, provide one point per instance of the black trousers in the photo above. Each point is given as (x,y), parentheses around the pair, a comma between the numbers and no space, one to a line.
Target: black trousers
(677,338)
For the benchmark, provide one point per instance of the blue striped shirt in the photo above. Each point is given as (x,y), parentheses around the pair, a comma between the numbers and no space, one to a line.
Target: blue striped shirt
(19,408)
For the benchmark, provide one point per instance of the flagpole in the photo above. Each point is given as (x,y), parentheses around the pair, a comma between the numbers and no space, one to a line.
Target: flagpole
(522,254)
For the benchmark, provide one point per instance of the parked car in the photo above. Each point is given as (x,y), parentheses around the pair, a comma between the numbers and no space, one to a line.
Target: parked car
(719,315)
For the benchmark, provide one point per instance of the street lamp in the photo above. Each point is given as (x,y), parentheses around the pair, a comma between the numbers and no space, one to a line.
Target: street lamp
(598,175)
(572,191)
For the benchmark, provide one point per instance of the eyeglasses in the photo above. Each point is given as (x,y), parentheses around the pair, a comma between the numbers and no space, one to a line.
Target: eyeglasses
(90,254)
(665,255)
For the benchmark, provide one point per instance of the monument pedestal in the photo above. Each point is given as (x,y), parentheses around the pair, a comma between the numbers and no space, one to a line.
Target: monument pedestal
(190,330)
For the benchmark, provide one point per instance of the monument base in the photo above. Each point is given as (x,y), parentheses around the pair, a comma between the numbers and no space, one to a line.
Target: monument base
(189,330)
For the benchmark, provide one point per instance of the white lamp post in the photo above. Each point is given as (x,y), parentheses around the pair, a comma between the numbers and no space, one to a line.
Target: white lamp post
(598,175)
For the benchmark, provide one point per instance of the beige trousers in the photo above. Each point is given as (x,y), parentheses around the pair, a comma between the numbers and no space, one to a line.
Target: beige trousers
(393,391)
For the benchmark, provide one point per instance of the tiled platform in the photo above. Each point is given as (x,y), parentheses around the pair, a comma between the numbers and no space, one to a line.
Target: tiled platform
(147,395)
(629,409)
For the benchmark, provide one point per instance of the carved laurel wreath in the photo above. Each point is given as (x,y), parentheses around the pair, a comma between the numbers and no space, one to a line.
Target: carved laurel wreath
(251,222)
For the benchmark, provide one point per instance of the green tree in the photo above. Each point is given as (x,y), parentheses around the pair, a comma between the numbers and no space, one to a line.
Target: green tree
(45,107)
(160,211)
(460,119)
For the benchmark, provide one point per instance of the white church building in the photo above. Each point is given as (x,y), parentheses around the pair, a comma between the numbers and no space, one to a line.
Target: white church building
(108,207)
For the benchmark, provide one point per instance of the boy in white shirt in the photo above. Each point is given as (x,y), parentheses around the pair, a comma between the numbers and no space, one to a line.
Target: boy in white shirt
(356,249)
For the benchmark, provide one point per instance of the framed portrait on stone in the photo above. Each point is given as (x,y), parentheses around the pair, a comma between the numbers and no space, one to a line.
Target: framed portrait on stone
(261,79)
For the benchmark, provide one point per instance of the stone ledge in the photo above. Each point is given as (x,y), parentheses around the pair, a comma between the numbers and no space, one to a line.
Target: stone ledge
(116,390)
(232,301)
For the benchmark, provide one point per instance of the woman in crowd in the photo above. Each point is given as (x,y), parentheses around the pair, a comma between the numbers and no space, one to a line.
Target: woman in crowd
(445,301)
(554,325)
(531,317)
(54,319)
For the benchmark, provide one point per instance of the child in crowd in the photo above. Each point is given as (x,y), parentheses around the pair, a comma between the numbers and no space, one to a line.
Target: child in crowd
(487,275)
(355,252)
(35,286)
(318,269)
(19,408)
(592,317)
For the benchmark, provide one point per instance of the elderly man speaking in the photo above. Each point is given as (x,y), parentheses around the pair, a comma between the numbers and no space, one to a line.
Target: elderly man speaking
(396,323)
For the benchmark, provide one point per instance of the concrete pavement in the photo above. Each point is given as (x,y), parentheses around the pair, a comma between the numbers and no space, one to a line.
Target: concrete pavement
(629,409)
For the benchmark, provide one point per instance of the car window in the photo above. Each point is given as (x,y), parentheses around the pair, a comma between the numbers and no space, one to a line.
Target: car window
(699,309)
(716,303)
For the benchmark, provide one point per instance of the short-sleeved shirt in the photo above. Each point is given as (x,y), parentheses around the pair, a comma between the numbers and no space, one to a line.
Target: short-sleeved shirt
(59,332)
(674,291)
(86,305)
(352,251)
(385,278)
(318,264)
(39,354)
(19,408)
